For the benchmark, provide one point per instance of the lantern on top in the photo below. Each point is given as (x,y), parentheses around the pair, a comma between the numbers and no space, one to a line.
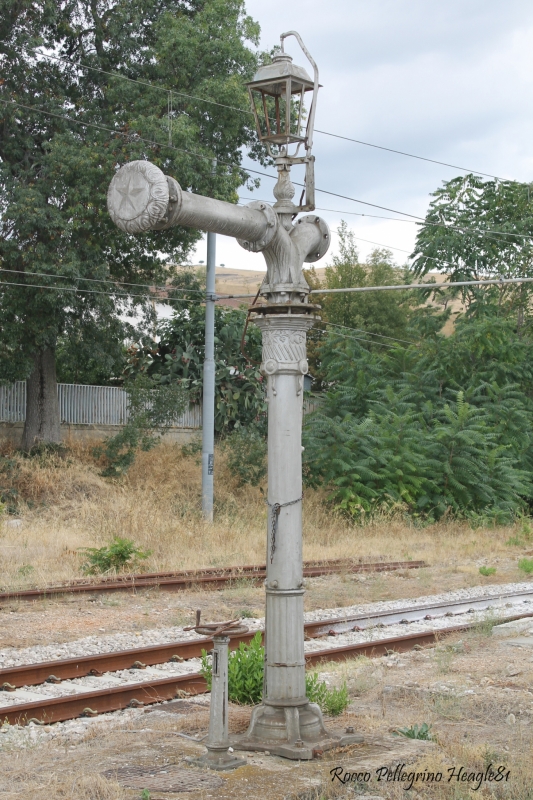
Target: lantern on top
(283,99)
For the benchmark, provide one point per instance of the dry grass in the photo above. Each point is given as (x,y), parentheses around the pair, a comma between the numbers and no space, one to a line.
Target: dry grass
(65,505)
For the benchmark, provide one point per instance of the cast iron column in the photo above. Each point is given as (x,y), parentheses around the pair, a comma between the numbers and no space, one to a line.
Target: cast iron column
(141,198)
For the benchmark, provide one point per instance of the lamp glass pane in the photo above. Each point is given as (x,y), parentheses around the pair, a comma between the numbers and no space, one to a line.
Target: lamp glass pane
(261,105)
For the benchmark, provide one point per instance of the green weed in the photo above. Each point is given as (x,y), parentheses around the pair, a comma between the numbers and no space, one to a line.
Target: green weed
(120,553)
(245,679)
(486,624)
(486,571)
(245,672)
(192,448)
(416,732)
(514,541)
(526,565)
(523,537)
(444,657)
(246,450)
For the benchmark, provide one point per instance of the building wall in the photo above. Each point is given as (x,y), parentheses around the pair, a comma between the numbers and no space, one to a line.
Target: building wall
(12,432)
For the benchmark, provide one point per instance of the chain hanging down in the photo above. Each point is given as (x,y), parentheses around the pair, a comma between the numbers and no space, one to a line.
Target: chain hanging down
(274,516)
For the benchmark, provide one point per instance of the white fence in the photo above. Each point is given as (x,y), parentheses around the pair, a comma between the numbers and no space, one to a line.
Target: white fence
(95,405)
(84,405)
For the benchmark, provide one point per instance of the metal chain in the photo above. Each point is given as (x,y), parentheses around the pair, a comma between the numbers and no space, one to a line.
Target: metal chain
(275,510)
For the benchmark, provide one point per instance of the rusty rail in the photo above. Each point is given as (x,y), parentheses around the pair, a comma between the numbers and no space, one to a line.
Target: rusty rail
(90,704)
(139,657)
(60,709)
(207,578)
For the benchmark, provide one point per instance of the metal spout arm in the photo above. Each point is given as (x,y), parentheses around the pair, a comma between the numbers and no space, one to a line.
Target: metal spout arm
(141,198)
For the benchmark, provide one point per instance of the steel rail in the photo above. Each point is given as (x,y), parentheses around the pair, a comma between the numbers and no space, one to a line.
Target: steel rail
(140,657)
(90,704)
(178,581)
(59,709)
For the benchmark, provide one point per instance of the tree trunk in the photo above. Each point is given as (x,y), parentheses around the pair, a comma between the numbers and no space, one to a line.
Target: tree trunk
(42,407)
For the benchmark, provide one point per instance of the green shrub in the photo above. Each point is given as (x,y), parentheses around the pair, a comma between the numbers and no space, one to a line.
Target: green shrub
(246,452)
(192,448)
(416,732)
(152,409)
(177,359)
(523,537)
(526,565)
(245,672)
(331,701)
(9,496)
(245,679)
(120,553)
(486,571)
(43,450)
(439,427)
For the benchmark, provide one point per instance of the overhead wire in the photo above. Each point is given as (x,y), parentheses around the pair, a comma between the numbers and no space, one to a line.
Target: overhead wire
(460,228)
(248,112)
(433,286)
(154,143)
(137,138)
(409,155)
(91,291)
(400,249)
(368,333)
(163,287)
(354,338)
(403,286)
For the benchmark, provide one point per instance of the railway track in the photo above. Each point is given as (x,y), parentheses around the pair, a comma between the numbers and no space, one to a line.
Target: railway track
(206,578)
(58,709)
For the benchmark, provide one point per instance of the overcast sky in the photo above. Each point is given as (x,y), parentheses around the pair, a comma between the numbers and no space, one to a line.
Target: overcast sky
(450,80)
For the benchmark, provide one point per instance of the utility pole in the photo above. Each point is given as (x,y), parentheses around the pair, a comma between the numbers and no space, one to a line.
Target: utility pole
(208,405)
(142,198)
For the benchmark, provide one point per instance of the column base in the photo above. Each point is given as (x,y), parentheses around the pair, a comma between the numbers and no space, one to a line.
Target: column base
(217,758)
(295,732)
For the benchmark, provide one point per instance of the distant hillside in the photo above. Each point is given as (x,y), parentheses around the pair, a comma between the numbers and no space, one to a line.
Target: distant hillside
(248,281)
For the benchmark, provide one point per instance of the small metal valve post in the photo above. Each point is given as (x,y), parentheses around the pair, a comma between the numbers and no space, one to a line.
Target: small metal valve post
(218,756)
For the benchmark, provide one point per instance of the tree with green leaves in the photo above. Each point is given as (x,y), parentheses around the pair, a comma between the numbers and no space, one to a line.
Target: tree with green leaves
(474,230)
(68,121)
(375,316)
(384,313)
(177,358)
(441,426)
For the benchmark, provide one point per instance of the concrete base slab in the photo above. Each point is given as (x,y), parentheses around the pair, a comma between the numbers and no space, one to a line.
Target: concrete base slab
(219,762)
(301,750)
(522,641)
(513,627)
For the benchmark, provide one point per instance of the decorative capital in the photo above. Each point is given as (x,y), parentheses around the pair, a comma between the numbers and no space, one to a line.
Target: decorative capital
(284,342)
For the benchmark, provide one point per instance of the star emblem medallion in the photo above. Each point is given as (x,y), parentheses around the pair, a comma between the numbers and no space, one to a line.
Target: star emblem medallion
(138,197)
(134,191)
